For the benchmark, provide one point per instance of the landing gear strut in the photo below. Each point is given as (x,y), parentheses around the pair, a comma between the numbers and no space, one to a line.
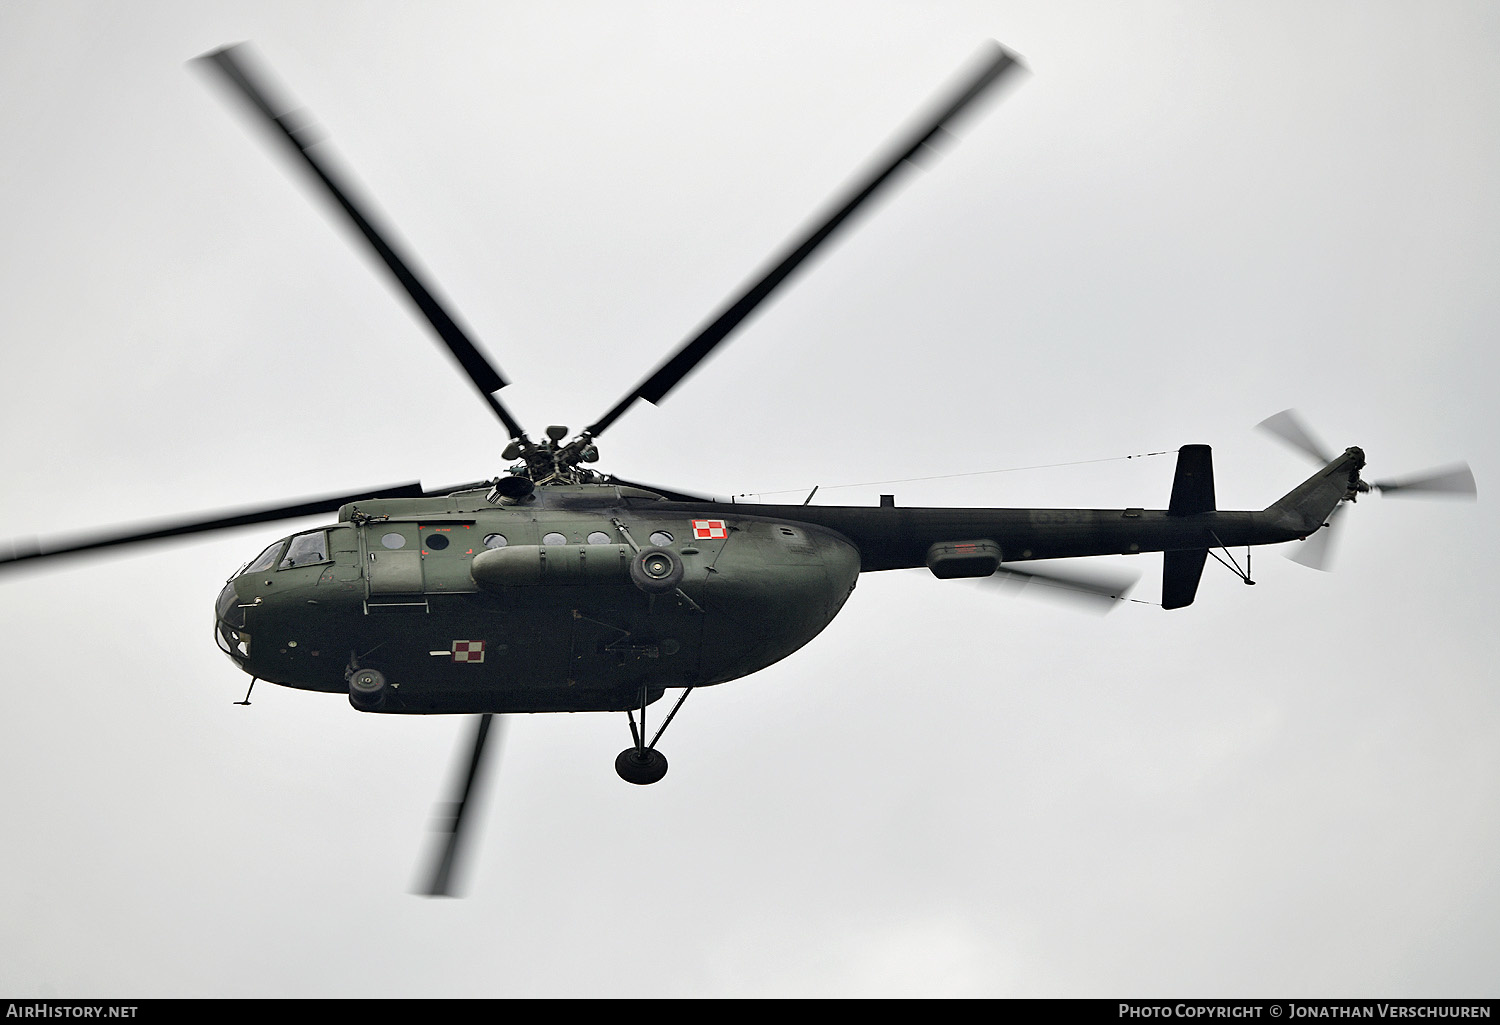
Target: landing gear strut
(642,764)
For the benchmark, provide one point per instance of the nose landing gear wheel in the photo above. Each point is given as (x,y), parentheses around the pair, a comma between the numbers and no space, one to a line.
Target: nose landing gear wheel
(641,766)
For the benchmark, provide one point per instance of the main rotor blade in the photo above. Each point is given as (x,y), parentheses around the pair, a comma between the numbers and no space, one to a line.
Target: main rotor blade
(27,552)
(299,132)
(1288,426)
(1097,592)
(667,493)
(992,62)
(441,884)
(1456,481)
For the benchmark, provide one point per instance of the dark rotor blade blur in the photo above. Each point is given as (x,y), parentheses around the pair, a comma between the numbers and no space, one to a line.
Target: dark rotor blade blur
(450,489)
(1288,426)
(31,552)
(1096,592)
(1316,552)
(297,129)
(992,62)
(1455,481)
(442,876)
(673,495)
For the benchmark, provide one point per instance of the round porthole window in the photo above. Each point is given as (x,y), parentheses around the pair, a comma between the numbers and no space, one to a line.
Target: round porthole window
(437,542)
(393,540)
(661,538)
(495,541)
(598,537)
(554,538)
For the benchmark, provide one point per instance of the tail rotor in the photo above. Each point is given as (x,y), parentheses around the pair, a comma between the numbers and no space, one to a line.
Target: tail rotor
(1455,481)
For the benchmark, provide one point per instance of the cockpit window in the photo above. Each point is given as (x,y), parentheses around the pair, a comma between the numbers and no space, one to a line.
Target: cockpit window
(305,550)
(265,560)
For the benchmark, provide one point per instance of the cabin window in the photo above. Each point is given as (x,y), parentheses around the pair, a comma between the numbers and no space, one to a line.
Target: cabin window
(395,539)
(554,538)
(495,541)
(305,550)
(599,537)
(660,538)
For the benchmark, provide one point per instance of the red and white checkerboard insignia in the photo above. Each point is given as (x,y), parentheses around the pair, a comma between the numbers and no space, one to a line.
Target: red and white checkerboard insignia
(709,530)
(468,651)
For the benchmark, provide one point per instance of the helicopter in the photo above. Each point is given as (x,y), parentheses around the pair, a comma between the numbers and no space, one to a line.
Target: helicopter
(552,587)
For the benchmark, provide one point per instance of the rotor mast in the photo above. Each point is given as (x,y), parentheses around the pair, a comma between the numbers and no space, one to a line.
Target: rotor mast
(552,462)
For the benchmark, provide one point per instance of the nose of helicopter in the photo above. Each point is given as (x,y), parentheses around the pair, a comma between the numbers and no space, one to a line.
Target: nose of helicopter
(229,614)
(229,625)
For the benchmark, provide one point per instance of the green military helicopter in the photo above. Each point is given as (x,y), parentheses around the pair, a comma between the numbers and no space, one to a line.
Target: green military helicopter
(555,588)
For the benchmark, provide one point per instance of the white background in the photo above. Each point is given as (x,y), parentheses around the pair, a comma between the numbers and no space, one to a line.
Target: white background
(1186,217)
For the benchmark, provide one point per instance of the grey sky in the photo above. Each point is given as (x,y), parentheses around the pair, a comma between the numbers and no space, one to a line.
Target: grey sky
(1185,218)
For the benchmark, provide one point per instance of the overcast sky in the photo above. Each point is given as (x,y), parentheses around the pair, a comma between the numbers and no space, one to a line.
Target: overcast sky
(1185,218)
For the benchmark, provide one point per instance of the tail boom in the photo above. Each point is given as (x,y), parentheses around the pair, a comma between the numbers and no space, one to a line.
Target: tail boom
(892,537)
(1307,506)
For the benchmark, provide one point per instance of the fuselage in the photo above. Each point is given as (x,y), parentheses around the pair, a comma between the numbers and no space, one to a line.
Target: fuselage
(560,627)
(474,602)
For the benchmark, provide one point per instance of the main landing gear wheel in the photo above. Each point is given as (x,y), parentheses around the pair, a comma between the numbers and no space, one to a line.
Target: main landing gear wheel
(641,766)
(641,763)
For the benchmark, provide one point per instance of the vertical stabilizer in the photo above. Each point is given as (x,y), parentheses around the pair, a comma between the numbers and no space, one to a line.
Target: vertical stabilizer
(1181,572)
(1193,487)
(1192,495)
(1308,505)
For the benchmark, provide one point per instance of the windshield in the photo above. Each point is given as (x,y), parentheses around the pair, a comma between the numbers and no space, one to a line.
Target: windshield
(265,560)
